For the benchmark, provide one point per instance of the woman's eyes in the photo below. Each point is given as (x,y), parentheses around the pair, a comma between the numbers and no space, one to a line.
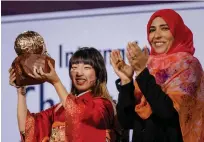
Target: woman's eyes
(87,67)
(165,28)
(151,30)
(73,68)
(162,28)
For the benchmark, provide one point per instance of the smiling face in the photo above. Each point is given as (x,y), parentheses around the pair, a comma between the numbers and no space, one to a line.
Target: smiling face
(160,36)
(83,76)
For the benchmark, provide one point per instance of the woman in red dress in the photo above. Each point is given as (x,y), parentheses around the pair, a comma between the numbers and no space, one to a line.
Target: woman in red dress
(86,114)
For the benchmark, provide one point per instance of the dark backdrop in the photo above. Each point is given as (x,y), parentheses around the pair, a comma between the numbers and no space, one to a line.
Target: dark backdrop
(26,7)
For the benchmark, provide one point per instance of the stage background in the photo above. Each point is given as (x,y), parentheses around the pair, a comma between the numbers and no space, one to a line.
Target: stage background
(105,29)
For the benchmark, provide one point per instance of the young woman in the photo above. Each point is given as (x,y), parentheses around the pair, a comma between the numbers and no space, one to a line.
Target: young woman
(86,114)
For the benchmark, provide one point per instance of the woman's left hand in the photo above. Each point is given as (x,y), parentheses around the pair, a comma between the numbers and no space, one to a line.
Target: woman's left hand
(50,77)
(136,57)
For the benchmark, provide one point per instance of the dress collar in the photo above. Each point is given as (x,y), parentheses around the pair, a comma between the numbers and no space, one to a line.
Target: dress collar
(83,93)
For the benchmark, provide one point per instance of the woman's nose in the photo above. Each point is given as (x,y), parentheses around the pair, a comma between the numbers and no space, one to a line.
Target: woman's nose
(157,34)
(79,72)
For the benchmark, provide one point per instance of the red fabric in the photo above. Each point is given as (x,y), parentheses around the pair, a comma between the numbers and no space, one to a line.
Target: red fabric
(42,124)
(183,37)
(87,118)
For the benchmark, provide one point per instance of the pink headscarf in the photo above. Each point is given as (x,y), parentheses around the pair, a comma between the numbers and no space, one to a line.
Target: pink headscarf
(183,37)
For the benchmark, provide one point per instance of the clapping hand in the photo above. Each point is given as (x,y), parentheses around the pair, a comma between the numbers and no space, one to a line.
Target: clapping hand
(124,71)
(136,57)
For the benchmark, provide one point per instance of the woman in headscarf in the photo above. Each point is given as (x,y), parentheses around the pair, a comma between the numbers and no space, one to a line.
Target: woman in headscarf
(169,81)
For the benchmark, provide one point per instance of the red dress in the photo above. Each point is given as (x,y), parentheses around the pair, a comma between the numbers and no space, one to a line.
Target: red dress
(83,119)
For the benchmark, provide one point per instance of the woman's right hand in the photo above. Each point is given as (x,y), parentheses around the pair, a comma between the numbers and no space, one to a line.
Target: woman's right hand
(124,71)
(12,78)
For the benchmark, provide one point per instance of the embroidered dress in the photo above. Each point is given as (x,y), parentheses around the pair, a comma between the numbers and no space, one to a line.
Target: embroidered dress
(83,119)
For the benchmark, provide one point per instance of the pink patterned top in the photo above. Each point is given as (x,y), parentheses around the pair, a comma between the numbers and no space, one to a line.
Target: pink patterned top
(181,76)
